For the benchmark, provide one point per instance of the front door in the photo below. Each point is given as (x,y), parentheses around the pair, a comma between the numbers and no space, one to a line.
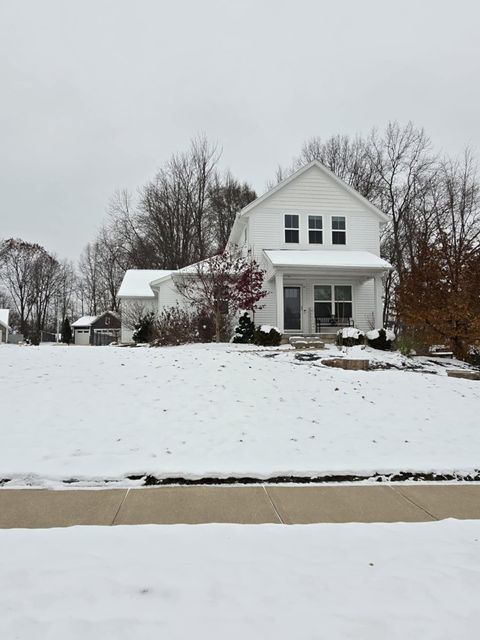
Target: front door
(292,312)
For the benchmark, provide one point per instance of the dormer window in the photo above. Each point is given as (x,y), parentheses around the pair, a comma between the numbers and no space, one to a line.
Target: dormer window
(315,229)
(339,230)
(292,225)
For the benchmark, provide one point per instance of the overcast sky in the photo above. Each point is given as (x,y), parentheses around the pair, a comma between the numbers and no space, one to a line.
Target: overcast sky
(96,94)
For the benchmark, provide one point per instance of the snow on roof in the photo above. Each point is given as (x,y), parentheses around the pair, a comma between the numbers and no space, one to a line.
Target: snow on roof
(136,282)
(329,259)
(4,313)
(84,321)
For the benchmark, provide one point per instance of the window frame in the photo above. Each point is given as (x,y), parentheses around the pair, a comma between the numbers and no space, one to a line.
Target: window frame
(344,231)
(333,301)
(290,228)
(315,229)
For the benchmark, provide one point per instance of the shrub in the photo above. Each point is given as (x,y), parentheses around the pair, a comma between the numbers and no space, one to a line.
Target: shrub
(350,337)
(382,339)
(267,336)
(410,344)
(245,330)
(176,325)
(35,339)
(473,356)
(144,328)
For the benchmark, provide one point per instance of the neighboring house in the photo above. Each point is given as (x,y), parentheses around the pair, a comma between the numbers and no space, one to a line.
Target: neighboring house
(319,243)
(97,330)
(4,327)
(138,297)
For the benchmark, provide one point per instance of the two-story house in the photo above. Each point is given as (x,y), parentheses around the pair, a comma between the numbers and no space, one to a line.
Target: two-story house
(319,243)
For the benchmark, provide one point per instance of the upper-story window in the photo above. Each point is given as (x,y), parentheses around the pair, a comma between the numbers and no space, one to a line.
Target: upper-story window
(292,225)
(339,230)
(315,229)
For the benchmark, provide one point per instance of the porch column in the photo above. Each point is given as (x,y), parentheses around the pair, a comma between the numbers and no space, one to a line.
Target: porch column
(279,297)
(378,293)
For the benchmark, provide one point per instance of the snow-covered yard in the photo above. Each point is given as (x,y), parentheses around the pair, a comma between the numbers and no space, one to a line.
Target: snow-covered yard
(92,414)
(372,581)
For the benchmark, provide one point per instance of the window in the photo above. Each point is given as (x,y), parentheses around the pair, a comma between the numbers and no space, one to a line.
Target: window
(315,229)
(107,321)
(339,230)
(343,302)
(291,228)
(323,301)
(333,302)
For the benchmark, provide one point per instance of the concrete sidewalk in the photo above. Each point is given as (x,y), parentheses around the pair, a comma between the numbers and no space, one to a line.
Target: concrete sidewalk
(38,508)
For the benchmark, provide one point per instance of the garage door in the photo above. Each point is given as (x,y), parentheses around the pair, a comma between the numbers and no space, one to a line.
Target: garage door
(82,336)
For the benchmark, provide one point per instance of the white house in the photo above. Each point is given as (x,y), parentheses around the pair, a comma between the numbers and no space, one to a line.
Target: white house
(319,243)
(137,294)
(4,327)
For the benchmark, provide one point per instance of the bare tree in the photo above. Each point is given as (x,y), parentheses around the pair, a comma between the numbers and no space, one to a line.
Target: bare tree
(17,266)
(227,197)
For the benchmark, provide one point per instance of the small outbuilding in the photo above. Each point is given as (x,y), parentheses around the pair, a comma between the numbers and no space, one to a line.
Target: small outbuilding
(4,326)
(97,330)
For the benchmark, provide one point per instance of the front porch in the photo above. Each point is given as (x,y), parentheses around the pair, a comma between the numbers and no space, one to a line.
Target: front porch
(319,304)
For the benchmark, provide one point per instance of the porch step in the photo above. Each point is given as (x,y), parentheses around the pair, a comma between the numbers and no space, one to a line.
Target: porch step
(306,342)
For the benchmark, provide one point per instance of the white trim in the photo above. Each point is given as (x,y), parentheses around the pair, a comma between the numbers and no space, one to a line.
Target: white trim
(336,215)
(285,228)
(322,217)
(293,286)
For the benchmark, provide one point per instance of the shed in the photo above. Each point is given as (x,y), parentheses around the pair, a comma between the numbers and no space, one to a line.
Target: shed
(97,330)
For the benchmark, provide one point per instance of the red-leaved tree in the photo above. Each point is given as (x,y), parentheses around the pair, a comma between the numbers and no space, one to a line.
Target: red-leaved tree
(222,285)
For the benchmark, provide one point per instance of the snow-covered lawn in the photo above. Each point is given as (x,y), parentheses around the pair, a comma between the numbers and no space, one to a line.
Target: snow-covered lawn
(211,582)
(224,410)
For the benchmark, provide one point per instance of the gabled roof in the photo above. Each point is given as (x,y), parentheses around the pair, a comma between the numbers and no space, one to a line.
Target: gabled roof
(4,313)
(327,172)
(136,282)
(87,321)
(327,259)
(84,321)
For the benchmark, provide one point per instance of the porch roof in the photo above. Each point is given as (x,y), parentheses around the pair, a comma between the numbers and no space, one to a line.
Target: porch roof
(361,260)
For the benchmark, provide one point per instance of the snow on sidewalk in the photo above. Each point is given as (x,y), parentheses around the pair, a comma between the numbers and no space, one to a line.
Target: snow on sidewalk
(223,410)
(372,582)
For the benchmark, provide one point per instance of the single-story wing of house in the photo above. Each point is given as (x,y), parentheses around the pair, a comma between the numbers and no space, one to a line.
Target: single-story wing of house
(138,296)
(4,326)
(97,330)
(318,241)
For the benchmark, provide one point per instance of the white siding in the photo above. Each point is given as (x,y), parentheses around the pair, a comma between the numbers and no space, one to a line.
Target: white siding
(313,192)
(168,295)
(362,292)
(129,309)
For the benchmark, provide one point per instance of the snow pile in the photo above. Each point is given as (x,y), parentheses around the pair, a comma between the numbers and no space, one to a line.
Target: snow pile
(225,410)
(372,581)
(374,334)
(350,332)
(266,328)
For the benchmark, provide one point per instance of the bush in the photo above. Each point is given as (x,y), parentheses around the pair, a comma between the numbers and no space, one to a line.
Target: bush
(245,330)
(267,336)
(473,356)
(176,325)
(350,337)
(145,328)
(382,339)
(409,344)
